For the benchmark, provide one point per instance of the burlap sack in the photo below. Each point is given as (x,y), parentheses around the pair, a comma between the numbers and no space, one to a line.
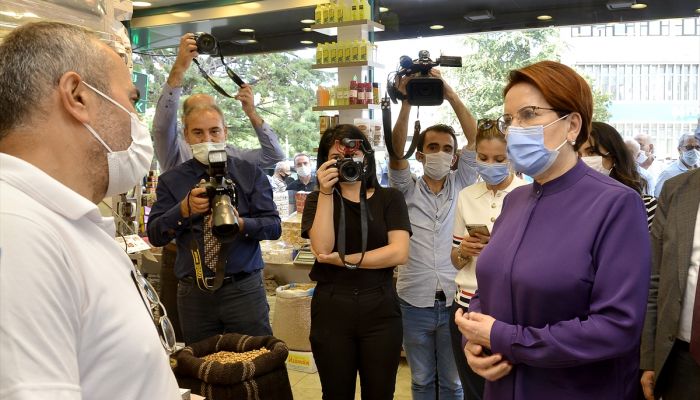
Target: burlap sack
(292,319)
(263,378)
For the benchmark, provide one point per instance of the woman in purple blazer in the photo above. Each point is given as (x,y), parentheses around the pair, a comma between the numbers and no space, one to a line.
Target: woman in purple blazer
(564,279)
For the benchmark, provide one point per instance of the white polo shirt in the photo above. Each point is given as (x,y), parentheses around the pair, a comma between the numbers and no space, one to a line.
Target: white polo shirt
(72,322)
(476,204)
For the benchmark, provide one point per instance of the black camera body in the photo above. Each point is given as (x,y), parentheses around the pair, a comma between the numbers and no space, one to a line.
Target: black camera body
(221,192)
(206,43)
(350,170)
(423,90)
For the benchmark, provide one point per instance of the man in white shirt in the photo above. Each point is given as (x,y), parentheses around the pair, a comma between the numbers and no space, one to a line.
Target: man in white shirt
(647,159)
(73,322)
(688,159)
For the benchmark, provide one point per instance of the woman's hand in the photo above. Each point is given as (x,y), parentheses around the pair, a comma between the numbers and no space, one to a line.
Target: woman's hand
(327,176)
(470,247)
(491,368)
(476,327)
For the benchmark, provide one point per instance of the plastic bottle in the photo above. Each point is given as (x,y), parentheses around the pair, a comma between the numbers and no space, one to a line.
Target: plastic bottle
(363,50)
(326,53)
(322,96)
(339,10)
(355,51)
(334,53)
(319,54)
(375,92)
(318,14)
(355,7)
(353,91)
(366,10)
(331,12)
(360,14)
(347,51)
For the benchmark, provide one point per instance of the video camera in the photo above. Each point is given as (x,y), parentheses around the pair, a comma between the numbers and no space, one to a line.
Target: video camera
(350,169)
(222,198)
(206,43)
(423,90)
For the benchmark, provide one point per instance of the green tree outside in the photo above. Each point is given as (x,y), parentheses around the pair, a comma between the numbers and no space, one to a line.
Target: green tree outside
(284,85)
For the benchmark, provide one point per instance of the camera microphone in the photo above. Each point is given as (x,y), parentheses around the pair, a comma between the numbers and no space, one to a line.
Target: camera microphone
(406,62)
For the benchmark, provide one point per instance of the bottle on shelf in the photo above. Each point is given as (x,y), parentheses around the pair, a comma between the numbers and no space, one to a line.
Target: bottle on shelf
(375,92)
(319,53)
(363,50)
(322,96)
(366,10)
(355,51)
(355,7)
(334,53)
(353,91)
(339,9)
(318,14)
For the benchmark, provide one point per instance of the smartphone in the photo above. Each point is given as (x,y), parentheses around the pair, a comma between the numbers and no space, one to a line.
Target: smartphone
(481,229)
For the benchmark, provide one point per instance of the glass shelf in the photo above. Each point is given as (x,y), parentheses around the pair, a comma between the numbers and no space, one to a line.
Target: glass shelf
(332,29)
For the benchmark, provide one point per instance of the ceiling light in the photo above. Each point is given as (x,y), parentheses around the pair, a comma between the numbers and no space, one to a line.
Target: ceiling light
(544,17)
(308,21)
(614,5)
(697,10)
(307,29)
(436,27)
(181,14)
(247,30)
(383,9)
(477,16)
(639,6)
(141,4)
(251,6)
(245,41)
(306,42)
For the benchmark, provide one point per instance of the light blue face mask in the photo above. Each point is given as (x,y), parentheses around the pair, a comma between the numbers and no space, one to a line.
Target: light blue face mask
(690,157)
(526,150)
(493,174)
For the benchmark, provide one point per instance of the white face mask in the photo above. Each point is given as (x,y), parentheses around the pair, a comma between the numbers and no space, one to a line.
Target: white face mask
(596,163)
(437,165)
(304,171)
(126,167)
(200,151)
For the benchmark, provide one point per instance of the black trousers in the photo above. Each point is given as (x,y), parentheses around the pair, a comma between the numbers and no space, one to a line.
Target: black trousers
(472,384)
(356,331)
(679,378)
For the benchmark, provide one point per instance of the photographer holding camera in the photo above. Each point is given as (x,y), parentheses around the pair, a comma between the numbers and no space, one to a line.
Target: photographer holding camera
(182,212)
(355,316)
(171,149)
(426,284)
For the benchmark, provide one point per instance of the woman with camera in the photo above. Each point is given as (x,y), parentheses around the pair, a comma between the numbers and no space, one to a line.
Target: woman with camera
(355,314)
(478,206)
(563,282)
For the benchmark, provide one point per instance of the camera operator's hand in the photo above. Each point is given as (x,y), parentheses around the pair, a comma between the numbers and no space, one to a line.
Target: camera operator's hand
(247,98)
(241,221)
(327,176)
(401,84)
(195,202)
(186,52)
(449,92)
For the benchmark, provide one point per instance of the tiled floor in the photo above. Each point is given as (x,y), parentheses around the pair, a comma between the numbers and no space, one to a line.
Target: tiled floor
(308,387)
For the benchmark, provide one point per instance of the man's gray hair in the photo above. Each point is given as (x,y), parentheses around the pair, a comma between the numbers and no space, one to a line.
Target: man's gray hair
(201,108)
(281,166)
(684,137)
(33,57)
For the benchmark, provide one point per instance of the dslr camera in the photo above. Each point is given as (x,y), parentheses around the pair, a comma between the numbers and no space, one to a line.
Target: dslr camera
(206,43)
(350,170)
(222,198)
(422,90)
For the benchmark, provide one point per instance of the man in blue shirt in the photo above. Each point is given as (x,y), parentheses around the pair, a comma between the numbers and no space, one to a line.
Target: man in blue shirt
(239,305)
(170,148)
(426,284)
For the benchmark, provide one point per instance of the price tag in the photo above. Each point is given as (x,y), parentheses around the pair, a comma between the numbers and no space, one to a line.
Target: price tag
(132,243)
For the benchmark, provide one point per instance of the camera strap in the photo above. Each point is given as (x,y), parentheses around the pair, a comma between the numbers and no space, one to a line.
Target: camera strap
(235,78)
(202,281)
(363,224)
(388,137)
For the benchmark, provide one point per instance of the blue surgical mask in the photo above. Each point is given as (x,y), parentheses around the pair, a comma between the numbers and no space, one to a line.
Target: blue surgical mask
(526,150)
(493,174)
(690,157)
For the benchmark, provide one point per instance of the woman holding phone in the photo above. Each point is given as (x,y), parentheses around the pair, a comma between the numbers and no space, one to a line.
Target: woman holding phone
(478,206)
(355,313)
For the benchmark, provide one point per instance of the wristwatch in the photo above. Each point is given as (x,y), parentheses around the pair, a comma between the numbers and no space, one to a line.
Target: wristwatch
(351,266)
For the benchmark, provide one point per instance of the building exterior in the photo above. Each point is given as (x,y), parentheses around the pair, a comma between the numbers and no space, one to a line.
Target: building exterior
(650,69)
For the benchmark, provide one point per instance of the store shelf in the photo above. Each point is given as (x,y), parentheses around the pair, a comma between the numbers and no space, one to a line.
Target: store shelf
(348,65)
(332,29)
(348,107)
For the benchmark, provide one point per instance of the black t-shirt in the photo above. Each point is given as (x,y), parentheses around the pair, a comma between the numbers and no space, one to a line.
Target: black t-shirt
(299,185)
(389,212)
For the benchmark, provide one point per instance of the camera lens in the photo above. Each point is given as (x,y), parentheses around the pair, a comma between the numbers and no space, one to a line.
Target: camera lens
(350,172)
(206,43)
